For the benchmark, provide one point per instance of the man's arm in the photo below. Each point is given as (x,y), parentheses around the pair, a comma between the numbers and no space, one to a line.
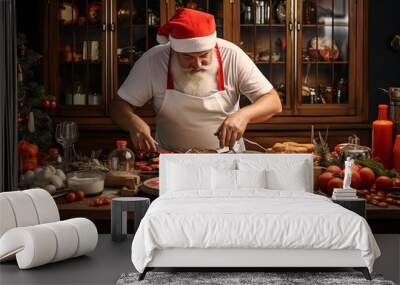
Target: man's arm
(263,108)
(123,114)
(259,111)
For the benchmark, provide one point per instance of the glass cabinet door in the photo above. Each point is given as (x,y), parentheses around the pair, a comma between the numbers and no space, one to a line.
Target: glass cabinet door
(265,37)
(80,40)
(137,23)
(214,7)
(324,56)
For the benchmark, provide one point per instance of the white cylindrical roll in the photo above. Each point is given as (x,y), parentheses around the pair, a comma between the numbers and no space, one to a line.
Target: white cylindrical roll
(87,235)
(45,206)
(24,210)
(67,239)
(7,217)
(38,244)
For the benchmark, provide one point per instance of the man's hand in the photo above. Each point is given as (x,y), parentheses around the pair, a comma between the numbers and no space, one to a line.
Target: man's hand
(142,139)
(232,129)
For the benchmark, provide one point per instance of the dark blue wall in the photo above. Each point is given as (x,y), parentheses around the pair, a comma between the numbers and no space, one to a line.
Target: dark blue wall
(383,62)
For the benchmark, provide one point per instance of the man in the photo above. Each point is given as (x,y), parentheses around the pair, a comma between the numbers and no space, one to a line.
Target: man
(195,82)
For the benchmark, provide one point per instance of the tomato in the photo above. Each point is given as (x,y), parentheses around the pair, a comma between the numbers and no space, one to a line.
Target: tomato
(155,160)
(140,154)
(373,201)
(383,204)
(145,168)
(71,196)
(323,180)
(334,183)
(367,177)
(52,151)
(390,200)
(384,183)
(355,180)
(378,197)
(154,166)
(106,201)
(29,164)
(80,195)
(100,201)
(334,169)
(380,193)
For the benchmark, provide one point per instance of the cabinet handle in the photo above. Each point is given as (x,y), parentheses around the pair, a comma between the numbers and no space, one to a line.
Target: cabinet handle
(112,27)
(290,26)
(104,28)
(298,26)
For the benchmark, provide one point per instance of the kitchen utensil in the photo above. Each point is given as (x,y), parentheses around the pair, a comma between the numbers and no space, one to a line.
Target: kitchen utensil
(256,144)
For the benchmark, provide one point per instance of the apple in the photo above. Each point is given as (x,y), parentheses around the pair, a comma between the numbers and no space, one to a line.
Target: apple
(80,195)
(71,196)
(367,177)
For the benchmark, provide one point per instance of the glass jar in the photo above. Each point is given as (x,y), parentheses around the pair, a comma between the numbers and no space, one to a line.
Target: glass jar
(121,158)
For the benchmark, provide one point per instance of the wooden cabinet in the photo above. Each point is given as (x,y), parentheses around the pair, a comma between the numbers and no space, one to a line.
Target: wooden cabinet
(313,52)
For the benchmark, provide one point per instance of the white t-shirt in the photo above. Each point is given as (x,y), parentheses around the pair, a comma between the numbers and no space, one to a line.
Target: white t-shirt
(148,77)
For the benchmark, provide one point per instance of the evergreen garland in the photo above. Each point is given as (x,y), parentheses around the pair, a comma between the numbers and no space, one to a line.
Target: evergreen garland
(31,94)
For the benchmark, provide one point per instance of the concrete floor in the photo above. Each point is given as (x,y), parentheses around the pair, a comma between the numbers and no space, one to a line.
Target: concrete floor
(102,266)
(111,259)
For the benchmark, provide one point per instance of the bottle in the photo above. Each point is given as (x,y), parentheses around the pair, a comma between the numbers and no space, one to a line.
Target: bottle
(396,154)
(382,137)
(121,158)
(340,92)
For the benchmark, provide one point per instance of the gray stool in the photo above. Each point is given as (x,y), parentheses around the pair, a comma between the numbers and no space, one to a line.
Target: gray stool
(119,208)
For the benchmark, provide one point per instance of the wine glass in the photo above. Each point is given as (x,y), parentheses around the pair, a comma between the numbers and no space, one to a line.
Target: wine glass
(67,134)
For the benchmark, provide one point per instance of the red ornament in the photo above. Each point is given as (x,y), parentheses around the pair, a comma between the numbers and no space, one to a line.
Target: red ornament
(20,104)
(53,104)
(45,104)
(93,13)
(191,5)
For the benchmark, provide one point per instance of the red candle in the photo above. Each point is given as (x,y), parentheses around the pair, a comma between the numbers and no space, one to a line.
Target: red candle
(396,154)
(382,137)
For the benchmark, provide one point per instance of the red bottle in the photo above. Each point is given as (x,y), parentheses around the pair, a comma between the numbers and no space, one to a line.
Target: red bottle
(396,154)
(382,137)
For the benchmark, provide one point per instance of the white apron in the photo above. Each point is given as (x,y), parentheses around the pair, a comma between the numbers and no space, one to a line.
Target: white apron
(185,121)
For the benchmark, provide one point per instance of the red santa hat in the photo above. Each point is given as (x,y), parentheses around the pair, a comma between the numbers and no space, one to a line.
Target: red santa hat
(189,31)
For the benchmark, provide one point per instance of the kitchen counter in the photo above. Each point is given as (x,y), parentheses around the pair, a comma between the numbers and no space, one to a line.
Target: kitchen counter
(381,220)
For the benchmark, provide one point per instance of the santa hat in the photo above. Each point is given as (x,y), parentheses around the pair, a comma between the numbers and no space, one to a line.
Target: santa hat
(189,31)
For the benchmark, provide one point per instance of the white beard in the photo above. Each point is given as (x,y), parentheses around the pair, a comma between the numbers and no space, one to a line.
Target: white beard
(202,83)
